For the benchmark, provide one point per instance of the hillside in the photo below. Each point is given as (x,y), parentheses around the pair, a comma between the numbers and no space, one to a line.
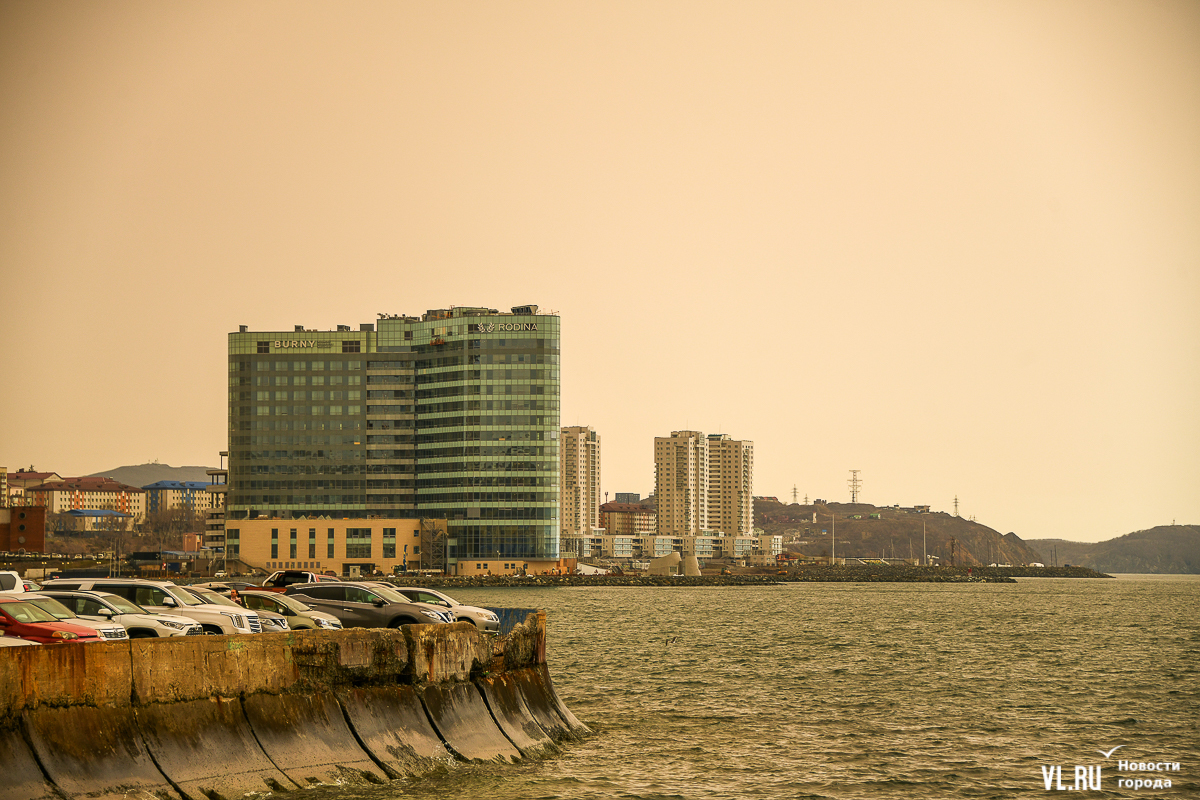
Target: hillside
(1167,549)
(146,474)
(896,533)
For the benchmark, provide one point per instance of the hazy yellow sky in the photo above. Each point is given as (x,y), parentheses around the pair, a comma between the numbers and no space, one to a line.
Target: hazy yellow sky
(953,245)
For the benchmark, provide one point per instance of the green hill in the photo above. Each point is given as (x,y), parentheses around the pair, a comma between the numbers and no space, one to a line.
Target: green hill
(1167,549)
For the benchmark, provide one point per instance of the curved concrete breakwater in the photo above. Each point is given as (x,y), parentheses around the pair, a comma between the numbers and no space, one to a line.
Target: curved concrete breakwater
(217,717)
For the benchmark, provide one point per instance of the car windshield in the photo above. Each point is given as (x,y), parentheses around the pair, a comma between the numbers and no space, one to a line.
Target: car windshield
(450,601)
(291,602)
(26,612)
(122,605)
(183,596)
(50,605)
(213,598)
(390,595)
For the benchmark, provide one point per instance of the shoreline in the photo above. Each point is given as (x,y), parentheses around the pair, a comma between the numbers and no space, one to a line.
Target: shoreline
(811,574)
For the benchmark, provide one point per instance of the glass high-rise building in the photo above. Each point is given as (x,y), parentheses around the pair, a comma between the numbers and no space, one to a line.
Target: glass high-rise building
(453,414)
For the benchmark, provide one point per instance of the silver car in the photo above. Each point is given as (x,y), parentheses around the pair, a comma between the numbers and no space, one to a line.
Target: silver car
(479,617)
(140,623)
(271,621)
(299,615)
(360,605)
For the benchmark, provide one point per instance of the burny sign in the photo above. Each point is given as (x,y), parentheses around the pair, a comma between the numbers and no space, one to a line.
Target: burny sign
(283,344)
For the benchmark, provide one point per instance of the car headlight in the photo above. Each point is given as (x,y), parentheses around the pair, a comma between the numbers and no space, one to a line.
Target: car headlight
(434,615)
(327,623)
(179,626)
(281,624)
(238,620)
(64,635)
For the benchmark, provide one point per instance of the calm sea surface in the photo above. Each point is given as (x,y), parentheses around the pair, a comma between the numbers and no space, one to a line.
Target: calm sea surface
(856,690)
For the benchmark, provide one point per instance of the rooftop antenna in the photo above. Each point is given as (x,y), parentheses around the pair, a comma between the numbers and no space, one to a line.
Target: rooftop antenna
(855,483)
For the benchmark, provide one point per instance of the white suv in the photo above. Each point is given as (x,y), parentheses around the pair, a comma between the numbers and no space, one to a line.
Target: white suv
(140,624)
(11,583)
(164,597)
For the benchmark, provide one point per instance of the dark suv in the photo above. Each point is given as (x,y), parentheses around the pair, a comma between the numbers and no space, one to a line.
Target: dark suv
(359,606)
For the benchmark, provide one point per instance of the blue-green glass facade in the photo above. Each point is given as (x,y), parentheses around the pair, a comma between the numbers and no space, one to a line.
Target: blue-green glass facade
(453,414)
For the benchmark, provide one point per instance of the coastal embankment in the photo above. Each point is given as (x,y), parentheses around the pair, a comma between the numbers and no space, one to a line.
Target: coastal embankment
(215,717)
(859,573)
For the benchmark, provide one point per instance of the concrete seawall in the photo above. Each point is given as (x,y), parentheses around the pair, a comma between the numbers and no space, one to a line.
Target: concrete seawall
(213,717)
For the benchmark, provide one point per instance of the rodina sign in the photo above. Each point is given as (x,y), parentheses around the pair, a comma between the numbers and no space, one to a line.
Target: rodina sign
(489,327)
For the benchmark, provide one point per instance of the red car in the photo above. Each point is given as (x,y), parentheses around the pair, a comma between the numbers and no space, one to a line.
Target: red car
(27,621)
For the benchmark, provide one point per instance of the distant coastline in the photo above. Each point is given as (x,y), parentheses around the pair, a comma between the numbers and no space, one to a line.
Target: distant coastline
(808,574)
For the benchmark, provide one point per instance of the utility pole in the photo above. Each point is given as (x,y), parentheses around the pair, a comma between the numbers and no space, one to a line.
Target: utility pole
(855,483)
(924,549)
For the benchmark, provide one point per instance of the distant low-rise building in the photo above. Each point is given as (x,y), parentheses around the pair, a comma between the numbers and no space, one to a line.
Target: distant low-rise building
(168,495)
(73,494)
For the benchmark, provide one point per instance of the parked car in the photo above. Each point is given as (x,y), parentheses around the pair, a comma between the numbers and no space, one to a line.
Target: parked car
(271,621)
(137,621)
(164,597)
(280,580)
(479,617)
(18,618)
(11,583)
(15,641)
(299,615)
(361,606)
(109,631)
(223,587)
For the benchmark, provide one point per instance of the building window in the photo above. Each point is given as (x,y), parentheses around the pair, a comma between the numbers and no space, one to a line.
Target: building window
(264,347)
(329,543)
(389,542)
(351,347)
(274,542)
(312,542)
(292,544)
(358,542)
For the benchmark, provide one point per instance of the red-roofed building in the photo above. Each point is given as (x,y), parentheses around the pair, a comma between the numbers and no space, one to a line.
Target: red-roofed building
(17,482)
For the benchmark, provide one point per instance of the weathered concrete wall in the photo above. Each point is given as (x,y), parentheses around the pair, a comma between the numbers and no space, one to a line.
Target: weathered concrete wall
(211,717)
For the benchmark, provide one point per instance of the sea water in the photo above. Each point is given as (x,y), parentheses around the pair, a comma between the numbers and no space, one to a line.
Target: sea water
(868,690)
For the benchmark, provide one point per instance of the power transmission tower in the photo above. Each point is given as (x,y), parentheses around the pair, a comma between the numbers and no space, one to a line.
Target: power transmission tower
(956,505)
(855,483)
(795,494)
